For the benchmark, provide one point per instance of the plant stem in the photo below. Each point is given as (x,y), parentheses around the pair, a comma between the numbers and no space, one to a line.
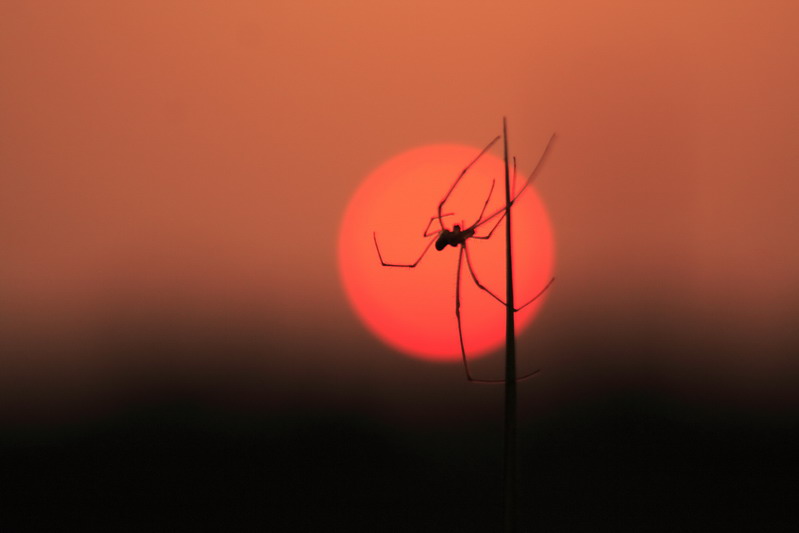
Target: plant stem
(510,360)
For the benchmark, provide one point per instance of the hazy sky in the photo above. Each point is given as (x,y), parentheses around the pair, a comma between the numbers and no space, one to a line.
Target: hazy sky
(173,176)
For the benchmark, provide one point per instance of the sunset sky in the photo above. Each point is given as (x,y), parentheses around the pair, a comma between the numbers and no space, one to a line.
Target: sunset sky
(173,177)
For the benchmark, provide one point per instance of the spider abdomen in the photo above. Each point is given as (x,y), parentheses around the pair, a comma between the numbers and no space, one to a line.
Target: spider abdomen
(452,238)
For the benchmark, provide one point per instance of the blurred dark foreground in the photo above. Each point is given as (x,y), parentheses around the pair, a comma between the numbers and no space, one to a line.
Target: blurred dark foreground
(630,463)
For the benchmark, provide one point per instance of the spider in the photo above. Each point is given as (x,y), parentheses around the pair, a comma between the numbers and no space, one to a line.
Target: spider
(458,236)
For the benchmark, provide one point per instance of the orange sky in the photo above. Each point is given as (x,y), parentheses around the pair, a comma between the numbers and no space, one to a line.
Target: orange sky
(185,165)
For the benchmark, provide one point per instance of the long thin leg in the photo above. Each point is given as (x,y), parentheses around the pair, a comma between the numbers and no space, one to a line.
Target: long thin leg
(538,165)
(427,229)
(452,188)
(500,211)
(513,183)
(474,276)
(382,262)
(499,220)
(488,235)
(530,179)
(460,330)
(534,298)
(488,199)
(497,298)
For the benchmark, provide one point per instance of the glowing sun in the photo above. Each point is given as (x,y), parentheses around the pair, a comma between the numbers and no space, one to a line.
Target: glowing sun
(413,309)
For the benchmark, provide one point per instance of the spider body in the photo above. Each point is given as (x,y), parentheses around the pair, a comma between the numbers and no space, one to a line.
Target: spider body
(456,237)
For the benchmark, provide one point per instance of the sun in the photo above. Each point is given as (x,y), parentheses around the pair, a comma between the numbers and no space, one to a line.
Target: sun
(413,310)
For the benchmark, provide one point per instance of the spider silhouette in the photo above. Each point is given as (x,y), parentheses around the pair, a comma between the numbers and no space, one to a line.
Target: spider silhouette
(457,237)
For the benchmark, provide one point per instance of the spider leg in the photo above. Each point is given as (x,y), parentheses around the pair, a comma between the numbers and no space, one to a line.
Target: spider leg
(534,298)
(513,183)
(500,211)
(474,276)
(460,328)
(452,188)
(488,235)
(496,213)
(382,262)
(530,179)
(490,191)
(538,165)
(527,376)
(458,317)
(427,229)
(499,220)
(497,298)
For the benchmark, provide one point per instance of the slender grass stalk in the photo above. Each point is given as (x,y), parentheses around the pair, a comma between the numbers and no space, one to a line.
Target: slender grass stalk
(510,359)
